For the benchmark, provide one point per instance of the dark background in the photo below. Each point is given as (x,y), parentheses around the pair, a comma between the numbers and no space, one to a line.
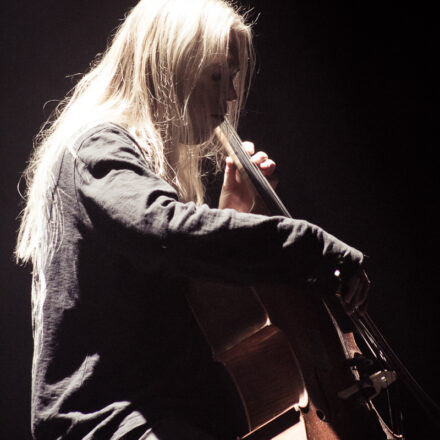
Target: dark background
(342,101)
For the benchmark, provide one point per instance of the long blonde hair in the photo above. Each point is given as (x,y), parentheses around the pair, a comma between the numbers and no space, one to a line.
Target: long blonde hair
(142,82)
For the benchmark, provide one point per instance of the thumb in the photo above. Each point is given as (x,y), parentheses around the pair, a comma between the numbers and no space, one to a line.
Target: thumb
(229,178)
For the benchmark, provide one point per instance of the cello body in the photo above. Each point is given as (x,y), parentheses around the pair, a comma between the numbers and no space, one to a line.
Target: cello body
(285,358)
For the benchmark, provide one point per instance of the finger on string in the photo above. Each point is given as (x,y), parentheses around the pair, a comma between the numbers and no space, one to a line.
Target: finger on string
(249,147)
(259,158)
(267,167)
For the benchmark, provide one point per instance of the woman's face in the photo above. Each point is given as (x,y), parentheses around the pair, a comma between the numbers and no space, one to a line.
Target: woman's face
(208,102)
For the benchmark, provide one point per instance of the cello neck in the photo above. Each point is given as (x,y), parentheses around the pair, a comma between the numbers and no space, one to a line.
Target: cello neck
(232,143)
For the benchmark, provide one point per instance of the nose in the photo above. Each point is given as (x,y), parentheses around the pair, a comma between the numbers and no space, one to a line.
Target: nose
(232,94)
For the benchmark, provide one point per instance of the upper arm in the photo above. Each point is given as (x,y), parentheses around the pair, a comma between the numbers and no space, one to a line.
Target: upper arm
(119,192)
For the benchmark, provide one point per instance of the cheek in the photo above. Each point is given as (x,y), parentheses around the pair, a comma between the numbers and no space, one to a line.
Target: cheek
(205,101)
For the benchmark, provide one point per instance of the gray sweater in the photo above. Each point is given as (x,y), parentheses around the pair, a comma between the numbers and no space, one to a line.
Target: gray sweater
(120,348)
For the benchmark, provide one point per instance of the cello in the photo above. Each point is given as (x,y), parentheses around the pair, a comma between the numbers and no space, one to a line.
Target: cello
(290,351)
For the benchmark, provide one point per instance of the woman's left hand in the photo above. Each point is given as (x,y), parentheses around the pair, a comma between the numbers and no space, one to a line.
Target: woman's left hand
(236,193)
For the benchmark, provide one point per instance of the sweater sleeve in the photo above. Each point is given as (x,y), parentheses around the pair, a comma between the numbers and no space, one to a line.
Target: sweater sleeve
(137,214)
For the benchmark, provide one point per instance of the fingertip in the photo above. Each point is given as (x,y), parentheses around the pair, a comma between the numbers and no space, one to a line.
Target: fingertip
(259,158)
(249,147)
(269,164)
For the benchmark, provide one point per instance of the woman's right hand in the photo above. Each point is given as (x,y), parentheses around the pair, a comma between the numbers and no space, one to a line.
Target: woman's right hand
(354,292)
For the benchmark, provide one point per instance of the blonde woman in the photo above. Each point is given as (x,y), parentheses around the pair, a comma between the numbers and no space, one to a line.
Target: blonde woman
(115,225)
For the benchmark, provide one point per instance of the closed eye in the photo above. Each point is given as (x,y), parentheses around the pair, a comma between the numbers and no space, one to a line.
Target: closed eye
(218,76)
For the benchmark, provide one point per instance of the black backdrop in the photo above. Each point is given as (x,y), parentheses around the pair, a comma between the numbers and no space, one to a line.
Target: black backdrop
(342,101)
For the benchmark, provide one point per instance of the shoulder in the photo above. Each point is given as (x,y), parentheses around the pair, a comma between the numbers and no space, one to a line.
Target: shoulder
(107,141)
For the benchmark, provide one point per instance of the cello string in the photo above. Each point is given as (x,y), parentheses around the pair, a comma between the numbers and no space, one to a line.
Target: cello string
(244,157)
(366,337)
(262,185)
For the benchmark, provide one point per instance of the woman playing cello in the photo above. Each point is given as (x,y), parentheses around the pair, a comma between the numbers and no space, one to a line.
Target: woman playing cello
(115,224)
